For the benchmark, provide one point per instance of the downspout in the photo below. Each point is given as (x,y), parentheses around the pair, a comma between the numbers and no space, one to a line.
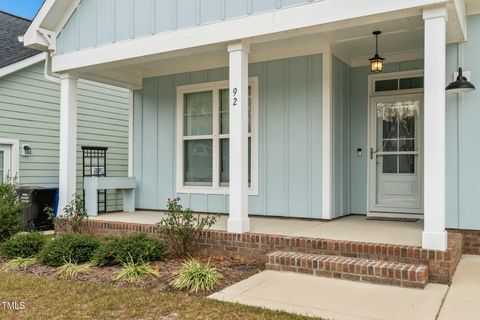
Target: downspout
(47,72)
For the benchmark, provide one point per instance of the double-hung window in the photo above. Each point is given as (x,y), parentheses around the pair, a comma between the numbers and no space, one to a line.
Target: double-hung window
(203,137)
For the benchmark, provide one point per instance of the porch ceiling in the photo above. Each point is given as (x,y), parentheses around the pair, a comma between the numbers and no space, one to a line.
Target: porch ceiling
(401,39)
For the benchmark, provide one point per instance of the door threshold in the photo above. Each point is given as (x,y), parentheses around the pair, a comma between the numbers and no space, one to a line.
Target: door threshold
(395,215)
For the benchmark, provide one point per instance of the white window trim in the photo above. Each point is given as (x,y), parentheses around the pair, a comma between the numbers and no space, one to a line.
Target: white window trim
(15,154)
(372,78)
(216,188)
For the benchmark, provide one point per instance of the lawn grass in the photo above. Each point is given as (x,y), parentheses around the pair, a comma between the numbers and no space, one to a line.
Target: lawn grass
(47,298)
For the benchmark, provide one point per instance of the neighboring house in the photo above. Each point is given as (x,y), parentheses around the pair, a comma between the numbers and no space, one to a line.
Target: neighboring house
(269,107)
(30,118)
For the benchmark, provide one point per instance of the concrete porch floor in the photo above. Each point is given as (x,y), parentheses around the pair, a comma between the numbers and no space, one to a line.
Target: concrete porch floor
(350,228)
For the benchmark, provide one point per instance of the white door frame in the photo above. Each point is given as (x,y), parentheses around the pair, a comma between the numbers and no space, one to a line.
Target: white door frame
(14,160)
(370,128)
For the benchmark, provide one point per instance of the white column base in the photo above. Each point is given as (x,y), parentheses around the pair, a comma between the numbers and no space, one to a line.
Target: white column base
(238,226)
(435,240)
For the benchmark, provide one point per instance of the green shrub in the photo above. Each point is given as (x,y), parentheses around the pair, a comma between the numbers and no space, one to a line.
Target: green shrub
(69,270)
(134,271)
(72,218)
(18,263)
(135,247)
(181,229)
(10,210)
(23,245)
(196,276)
(73,247)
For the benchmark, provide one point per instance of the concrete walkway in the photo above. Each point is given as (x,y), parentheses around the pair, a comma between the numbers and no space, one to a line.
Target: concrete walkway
(463,298)
(348,300)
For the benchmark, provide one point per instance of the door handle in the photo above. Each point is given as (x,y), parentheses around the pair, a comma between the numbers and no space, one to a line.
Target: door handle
(372,153)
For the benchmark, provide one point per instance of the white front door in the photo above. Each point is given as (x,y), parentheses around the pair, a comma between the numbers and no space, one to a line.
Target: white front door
(5,162)
(395,157)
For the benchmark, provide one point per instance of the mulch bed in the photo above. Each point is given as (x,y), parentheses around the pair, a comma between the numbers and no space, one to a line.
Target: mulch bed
(233,270)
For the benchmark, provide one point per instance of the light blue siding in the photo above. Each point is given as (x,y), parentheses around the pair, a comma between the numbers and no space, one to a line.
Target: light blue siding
(124,16)
(290,135)
(463,153)
(211,10)
(359,130)
(105,16)
(97,22)
(144,17)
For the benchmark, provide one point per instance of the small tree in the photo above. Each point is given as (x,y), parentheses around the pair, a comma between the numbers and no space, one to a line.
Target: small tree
(181,229)
(73,216)
(10,209)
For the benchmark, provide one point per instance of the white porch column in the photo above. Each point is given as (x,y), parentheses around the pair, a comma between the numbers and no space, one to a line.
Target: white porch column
(327,114)
(434,235)
(68,139)
(238,220)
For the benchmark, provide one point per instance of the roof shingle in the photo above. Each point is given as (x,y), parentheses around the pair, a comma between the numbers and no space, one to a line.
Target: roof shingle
(11,50)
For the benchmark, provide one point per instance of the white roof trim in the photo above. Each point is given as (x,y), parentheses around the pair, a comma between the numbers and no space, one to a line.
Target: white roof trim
(14,67)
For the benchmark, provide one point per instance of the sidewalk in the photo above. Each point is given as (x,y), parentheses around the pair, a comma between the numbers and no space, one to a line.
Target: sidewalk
(349,300)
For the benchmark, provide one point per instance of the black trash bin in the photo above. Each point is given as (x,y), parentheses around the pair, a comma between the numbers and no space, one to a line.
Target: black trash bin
(35,200)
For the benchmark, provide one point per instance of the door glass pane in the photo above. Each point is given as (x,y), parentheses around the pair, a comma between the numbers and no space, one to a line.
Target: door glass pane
(224,110)
(224,161)
(198,113)
(407,115)
(406,145)
(407,164)
(2,165)
(198,162)
(390,145)
(389,164)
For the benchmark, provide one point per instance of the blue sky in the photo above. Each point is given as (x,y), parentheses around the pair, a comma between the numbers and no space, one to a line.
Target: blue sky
(22,8)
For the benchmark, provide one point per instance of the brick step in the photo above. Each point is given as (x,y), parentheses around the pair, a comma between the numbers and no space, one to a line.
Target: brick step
(357,269)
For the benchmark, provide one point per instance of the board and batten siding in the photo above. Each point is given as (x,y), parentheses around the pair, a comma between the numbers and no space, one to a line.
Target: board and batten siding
(97,22)
(290,135)
(30,113)
(462,135)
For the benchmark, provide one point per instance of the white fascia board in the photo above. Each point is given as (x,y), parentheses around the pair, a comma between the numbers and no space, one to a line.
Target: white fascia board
(32,38)
(14,67)
(281,20)
(51,18)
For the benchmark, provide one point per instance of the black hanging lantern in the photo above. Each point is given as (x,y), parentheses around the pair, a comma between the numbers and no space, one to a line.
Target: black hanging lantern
(376,63)
(460,85)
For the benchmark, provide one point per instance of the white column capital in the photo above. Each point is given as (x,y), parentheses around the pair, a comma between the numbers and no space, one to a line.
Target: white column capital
(239,46)
(434,13)
(69,75)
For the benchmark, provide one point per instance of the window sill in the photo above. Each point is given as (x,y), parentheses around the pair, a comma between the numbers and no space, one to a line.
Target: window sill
(211,190)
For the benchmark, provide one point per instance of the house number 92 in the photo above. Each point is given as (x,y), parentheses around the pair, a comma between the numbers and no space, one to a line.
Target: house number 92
(235,99)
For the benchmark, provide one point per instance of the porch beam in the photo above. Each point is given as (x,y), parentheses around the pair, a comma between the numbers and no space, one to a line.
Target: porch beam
(68,139)
(434,235)
(238,220)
